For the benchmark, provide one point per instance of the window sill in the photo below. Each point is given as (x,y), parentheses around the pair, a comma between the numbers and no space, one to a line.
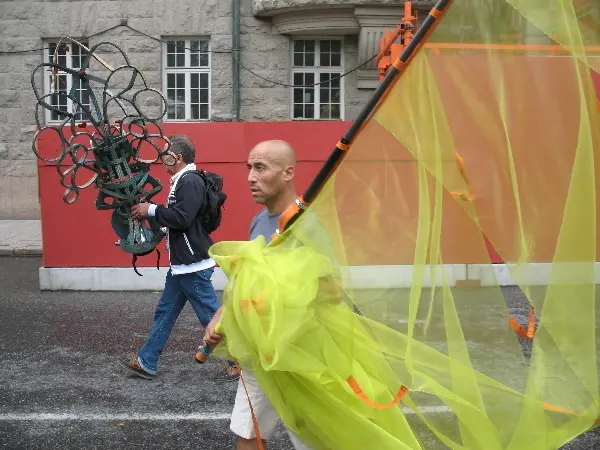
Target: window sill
(332,22)
(184,120)
(369,19)
(265,8)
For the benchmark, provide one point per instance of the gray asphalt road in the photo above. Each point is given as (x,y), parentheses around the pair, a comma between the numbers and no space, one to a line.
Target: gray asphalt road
(60,386)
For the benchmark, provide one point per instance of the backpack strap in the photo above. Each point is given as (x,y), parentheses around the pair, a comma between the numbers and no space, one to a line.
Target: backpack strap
(200,173)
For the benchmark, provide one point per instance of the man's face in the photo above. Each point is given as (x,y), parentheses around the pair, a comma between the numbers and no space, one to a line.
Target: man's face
(172,164)
(266,177)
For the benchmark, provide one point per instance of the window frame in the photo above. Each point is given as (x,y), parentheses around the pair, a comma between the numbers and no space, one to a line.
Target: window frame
(187,71)
(316,70)
(47,83)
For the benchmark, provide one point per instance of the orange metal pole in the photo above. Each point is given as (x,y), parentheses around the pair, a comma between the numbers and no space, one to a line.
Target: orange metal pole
(408,20)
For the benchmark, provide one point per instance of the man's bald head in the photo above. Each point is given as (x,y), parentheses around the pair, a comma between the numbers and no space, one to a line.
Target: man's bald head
(272,166)
(278,151)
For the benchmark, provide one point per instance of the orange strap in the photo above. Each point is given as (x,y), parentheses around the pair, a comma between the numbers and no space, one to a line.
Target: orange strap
(259,442)
(361,394)
(302,201)
(436,13)
(529,334)
(399,64)
(461,169)
(342,146)
(520,330)
(549,407)
(290,212)
(403,390)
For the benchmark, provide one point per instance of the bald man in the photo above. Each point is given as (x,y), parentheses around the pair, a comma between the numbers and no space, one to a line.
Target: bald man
(272,168)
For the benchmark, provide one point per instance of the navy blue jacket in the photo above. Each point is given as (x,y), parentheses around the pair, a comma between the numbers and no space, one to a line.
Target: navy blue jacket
(188,241)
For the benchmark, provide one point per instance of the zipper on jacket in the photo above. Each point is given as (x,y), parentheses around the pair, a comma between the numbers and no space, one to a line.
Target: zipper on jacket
(188,243)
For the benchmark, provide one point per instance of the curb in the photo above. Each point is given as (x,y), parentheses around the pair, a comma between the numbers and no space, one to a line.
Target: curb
(462,276)
(26,251)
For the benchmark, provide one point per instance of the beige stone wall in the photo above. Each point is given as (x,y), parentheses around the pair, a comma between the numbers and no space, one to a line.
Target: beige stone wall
(23,25)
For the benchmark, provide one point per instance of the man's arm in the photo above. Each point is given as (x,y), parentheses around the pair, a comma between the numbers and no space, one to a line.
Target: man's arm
(179,216)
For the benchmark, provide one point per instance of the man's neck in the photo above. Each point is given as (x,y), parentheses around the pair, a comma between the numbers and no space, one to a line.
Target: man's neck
(282,204)
(179,169)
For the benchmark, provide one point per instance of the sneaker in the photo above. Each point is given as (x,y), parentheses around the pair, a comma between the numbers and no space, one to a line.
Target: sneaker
(229,372)
(131,363)
(202,354)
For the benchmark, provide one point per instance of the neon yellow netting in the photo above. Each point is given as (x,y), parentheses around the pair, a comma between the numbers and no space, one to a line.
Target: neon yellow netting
(391,233)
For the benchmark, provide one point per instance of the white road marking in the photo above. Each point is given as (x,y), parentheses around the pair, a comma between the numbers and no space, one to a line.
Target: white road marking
(63,417)
(37,417)
(429,410)
(419,321)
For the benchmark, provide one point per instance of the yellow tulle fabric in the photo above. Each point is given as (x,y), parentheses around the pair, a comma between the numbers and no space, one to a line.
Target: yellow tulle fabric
(355,321)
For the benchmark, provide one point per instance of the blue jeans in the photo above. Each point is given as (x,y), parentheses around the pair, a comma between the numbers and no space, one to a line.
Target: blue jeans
(195,287)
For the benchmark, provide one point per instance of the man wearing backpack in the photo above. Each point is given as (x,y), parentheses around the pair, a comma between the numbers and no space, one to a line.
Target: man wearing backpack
(192,212)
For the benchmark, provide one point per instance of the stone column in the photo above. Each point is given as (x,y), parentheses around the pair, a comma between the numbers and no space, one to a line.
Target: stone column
(373,22)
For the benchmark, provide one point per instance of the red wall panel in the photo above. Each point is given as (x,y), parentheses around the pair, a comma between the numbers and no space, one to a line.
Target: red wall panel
(596,80)
(78,235)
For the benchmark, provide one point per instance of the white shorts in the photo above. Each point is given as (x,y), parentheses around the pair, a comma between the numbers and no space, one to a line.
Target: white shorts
(267,417)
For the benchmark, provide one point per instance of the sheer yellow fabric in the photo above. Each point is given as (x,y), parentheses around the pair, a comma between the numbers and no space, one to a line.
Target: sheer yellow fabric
(353,320)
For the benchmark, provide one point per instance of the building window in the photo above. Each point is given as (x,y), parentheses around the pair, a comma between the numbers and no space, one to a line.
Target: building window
(187,79)
(317,61)
(72,56)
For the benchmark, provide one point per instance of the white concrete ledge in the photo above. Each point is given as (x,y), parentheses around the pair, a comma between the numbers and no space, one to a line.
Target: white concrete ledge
(360,277)
(401,276)
(536,274)
(110,279)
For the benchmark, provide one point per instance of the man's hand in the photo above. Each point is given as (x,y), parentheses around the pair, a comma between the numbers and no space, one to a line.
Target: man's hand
(140,211)
(210,336)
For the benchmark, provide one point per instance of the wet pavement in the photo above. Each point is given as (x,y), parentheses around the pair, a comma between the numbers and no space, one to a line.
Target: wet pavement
(61,388)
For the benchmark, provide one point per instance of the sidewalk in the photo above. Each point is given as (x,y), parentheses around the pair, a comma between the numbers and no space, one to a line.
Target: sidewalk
(20,238)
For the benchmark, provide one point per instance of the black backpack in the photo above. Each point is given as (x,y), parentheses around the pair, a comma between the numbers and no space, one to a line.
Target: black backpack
(215,198)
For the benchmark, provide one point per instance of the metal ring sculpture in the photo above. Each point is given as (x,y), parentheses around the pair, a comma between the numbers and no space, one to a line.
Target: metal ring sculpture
(107,151)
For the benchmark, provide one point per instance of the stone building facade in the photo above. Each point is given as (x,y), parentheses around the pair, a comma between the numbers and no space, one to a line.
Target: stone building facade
(185,48)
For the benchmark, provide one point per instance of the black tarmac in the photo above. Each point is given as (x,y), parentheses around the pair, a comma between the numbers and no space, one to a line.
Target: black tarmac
(61,386)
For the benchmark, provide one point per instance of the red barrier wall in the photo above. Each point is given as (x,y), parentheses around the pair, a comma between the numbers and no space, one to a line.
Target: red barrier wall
(78,235)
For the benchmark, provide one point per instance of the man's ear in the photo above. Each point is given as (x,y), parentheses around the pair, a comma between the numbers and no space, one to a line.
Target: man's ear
(289,173)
